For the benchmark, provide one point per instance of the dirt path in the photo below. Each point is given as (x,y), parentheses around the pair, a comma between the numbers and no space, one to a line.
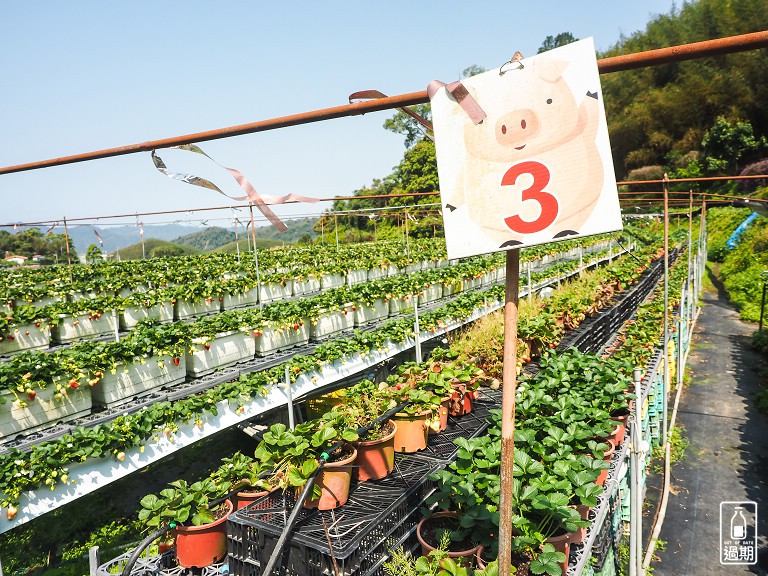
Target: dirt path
(727,459)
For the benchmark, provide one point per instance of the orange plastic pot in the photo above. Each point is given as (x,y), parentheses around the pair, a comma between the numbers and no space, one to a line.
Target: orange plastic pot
(607,457)
(462,400)
(443,422)
(334,480)
(376,458)
(243,499)
(412,431)
(201,546)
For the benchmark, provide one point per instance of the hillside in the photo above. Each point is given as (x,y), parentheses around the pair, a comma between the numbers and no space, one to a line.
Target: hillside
(245,245)
(206,239)
(666,116)
(154,248)
(297,229)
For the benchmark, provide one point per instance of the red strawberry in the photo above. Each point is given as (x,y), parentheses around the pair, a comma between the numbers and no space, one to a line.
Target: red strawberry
(31,394)
(12,511)
(175,361)
(37,324)
(207,346)
(73,383)
(27,332)
(11,337)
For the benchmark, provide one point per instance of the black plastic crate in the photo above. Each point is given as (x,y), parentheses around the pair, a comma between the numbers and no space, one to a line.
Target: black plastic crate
(377,515)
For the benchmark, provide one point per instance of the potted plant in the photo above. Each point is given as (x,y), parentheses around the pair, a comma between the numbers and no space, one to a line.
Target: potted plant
(363,404)
(254,479)
(197,519)
(413,423)
(294,456)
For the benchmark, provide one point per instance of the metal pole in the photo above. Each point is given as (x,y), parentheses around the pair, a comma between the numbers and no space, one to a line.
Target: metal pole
(237,240)
(69,258)
(690,228)
(407,237)
(581,260)
(416,328)
(117,325)
(636,489)
(530,285)
(93,561)
(509,388)
(666,309)
(762,308)
(336,227)
(256,259)
(289,392)
(679,53)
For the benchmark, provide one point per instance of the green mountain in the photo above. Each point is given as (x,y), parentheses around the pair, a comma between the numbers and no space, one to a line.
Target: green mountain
(245,245)
(154,248)
(206,239)
(297,229)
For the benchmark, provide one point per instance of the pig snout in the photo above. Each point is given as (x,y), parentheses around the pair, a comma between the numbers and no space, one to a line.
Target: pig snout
(517,128)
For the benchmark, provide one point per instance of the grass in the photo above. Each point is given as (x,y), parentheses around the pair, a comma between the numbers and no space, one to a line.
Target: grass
(679,444)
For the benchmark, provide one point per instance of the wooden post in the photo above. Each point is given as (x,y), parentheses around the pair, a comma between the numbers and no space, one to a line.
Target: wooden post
(69,258)
(509,389)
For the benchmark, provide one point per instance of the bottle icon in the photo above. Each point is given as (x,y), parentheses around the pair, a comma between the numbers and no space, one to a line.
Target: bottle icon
(738,524)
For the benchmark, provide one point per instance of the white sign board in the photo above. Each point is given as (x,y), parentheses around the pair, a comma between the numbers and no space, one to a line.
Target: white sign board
(538,168)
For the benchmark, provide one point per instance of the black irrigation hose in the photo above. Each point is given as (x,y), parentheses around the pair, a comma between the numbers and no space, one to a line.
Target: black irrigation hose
(288,530)
(141,547)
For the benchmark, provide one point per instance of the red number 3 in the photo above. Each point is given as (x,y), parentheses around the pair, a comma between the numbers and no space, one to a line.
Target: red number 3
(536,192)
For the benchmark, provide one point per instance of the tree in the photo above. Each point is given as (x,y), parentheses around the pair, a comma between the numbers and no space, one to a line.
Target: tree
(413,131)
(726,143)
(560,40)
(403,124)
(93,254)
(165,250)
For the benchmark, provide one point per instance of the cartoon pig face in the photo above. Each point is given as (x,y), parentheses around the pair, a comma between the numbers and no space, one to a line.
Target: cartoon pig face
(538,114)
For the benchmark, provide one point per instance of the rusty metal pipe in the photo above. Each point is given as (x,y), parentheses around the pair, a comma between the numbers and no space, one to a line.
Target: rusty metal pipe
(717,47)
(614,64)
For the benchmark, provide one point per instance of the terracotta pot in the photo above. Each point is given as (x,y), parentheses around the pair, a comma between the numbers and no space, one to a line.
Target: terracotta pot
(201,546)
(562,543)
(465,557)
(622,420)
(444,408)
(334,480)
(607,457)
(243,499)
(412,431)
(578,536)
(622,432)
(461,401)
(376,458)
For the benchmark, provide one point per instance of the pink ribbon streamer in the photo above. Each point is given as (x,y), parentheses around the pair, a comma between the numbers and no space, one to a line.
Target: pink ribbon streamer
(251,196)
(462,96)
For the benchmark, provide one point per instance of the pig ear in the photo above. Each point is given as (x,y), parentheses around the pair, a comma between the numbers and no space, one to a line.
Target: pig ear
(549,69)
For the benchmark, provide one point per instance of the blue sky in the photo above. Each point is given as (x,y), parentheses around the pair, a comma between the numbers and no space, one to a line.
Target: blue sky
(80,76)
